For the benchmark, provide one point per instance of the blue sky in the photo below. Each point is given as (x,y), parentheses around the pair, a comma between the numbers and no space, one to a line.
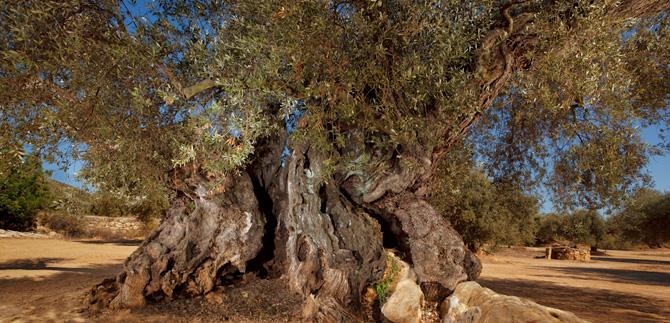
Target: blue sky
(659,166)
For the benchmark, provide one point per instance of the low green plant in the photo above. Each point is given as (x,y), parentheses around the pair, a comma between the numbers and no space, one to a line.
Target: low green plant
(382,287)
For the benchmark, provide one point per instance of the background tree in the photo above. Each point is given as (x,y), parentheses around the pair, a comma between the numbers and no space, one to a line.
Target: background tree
(550,230)
(483,211)
(23,192)
(584,226)
(581,226)
(196,103)
(644,219)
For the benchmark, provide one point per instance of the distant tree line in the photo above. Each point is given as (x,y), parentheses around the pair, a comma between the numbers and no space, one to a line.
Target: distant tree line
(490,212)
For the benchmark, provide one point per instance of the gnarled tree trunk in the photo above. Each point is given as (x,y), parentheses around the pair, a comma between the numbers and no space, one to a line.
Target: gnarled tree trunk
(324,234)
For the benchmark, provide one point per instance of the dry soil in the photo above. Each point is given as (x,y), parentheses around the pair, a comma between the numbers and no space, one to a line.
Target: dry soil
(43,280)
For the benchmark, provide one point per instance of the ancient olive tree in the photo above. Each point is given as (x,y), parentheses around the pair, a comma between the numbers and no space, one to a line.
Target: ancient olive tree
(297,138)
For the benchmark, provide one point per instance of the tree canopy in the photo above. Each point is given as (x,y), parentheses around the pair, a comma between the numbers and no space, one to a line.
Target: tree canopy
(200,83)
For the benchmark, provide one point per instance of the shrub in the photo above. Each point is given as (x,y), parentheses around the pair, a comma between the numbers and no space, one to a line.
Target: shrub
(645,219)
(23,192)
(71,226)
(483,211)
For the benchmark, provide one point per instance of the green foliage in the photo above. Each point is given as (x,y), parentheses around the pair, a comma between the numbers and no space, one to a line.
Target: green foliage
(572,121)
(645,219)
(23,192)
(483,211)
(382,287)
(69,200)
(395,77)
(582,226)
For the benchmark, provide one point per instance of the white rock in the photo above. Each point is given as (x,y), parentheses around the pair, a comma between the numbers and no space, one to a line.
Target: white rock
(404,305)
(472,303)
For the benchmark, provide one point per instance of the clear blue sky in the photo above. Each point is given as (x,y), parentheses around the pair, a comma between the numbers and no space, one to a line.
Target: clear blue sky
(659,166)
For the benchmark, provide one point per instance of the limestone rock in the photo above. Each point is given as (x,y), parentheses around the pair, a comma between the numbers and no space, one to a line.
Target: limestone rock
(405,271)
(215,296)
(473,303)
(404,305)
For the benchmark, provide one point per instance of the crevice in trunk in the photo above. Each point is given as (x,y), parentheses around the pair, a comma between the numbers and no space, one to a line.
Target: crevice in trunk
(261,264)
(393,236)
(228,275)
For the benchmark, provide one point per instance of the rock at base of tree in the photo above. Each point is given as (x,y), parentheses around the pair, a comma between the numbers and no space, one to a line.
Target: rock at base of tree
(404,305)
(473,303)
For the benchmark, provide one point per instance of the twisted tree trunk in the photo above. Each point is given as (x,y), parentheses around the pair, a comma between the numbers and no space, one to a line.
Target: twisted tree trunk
(325,233)
(326,237)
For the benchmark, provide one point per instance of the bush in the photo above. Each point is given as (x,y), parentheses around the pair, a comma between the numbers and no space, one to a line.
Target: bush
(484,212)
(581,226)
(23,192)
(645,219)
(71,226)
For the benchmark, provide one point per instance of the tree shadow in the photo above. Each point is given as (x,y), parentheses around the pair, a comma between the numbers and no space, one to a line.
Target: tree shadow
(56,297)
(597,305)
(118,242)
(41,264)
(30,263)
(637,277)
(633,261)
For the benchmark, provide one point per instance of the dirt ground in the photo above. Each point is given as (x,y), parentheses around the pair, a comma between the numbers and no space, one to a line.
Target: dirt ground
(43,280)
(620,286)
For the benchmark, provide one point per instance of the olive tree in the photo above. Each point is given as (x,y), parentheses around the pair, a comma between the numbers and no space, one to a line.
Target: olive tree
(294,138)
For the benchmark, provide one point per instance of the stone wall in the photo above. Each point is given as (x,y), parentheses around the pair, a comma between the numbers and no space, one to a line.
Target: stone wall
(579,253)
(122,225)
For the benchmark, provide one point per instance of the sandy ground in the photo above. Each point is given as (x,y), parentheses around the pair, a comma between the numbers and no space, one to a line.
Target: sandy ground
(621,286)
(44,280)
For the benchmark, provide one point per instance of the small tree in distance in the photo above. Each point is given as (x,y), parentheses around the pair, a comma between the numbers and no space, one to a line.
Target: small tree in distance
(23,192)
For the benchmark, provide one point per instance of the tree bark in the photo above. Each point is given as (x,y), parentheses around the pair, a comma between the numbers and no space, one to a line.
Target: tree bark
(324,234)
(202,238)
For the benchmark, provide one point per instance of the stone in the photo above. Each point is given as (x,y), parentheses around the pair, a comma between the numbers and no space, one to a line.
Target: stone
(405,271)
(472,303)
(579,253)
(405,303)
(215,296)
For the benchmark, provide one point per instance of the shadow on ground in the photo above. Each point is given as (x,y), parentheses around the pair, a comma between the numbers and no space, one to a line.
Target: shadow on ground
(597,305)
(633,261)
(118,242)
(32,264)
(54,297)
(629,276)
